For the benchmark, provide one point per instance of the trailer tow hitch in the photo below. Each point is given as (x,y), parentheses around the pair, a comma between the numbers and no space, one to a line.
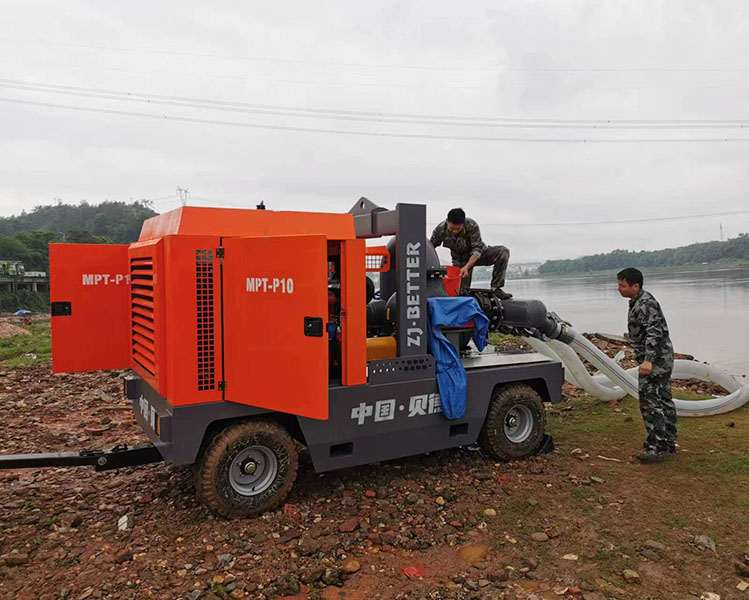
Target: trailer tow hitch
(102,460)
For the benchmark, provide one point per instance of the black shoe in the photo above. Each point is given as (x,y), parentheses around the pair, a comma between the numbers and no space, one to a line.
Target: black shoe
(650,456)
(502,295)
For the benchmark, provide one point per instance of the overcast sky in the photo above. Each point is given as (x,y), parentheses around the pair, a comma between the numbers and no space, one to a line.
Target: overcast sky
(546,60)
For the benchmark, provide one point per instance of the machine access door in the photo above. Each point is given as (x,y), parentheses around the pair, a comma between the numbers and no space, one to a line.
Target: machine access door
(89,291)
(275,301)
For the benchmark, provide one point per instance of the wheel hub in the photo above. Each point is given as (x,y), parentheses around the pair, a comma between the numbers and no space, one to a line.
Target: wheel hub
(253,470)
(519,423)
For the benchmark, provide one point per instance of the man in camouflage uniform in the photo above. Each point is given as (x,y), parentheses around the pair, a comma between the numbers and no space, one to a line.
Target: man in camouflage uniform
(648,336)
(463,237)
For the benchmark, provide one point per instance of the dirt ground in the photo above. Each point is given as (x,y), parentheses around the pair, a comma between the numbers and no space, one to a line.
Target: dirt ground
(586,521)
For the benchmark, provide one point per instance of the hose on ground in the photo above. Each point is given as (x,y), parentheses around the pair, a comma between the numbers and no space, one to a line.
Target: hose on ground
(614,382)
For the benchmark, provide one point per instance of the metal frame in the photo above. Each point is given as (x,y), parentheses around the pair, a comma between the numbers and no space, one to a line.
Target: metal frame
(102,460)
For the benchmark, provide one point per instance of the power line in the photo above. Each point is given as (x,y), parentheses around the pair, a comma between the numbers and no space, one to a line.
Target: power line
(416,136)
(371,116)
(619,221)
(276,59)
(493,86)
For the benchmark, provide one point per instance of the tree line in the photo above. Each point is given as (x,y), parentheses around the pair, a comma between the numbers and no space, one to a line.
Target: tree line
(26,237)
(706,252)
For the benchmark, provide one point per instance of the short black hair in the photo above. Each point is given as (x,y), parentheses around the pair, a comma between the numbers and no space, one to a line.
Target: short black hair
(630,275)
(456,216)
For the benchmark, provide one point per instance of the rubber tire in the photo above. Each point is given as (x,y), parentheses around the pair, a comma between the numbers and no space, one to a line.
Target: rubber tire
(212,484)
(492,437)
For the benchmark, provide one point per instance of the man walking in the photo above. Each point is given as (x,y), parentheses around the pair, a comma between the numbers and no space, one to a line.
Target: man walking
(648,336)
(463,237)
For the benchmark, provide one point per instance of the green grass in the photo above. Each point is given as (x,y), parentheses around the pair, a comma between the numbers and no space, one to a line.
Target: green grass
(683,394)
(17,351)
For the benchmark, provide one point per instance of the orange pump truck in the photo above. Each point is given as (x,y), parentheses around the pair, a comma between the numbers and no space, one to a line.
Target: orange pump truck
(252,333)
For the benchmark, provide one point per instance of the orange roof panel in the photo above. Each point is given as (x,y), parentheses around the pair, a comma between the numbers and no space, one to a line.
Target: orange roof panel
(243,222)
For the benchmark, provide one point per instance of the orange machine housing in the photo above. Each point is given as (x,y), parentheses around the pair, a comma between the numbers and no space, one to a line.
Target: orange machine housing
(214,305)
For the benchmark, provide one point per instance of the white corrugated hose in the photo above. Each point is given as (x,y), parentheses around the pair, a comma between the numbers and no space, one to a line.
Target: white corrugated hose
(614,382)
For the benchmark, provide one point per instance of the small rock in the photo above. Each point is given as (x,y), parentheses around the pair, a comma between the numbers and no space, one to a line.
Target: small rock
(631,576)
(539,536)
(123,556)
(490,512)
(312,574)
(704,542)
(650,554)
(709,596)
(16,559)
(236,593)
(595,479)
(288,585)
(440,500)
(497,575)
(195,594)
(530,562)
(653,545)
(331,575)
(225,559)
(286,536)
(742,568)
(349,525)
(471,585)
(412,498)
(484,583)
(370,494)
(351,565)
(125,522)
(579,454)
(473,553)
(569,557)
(742,586)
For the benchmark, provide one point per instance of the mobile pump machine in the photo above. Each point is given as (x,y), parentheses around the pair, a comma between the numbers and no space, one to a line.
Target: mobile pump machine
(250,332)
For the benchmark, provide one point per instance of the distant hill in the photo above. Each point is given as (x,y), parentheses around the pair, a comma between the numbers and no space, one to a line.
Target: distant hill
(119,222)
(708,252)
(25,237)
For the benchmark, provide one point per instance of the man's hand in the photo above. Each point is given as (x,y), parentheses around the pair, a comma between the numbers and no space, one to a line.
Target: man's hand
(464,271)
(646,368)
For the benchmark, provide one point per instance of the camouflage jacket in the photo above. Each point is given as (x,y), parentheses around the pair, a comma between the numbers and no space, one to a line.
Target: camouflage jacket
(648,333)
(468,242)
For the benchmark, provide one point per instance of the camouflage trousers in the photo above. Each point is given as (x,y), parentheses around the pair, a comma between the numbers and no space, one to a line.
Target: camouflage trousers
(658,411)
(499,256)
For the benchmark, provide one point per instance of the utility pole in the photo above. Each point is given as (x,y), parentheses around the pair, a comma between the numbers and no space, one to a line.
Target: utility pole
(721,232)
(183,194)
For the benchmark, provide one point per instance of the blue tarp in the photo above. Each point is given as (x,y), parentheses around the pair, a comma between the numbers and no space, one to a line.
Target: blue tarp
(451,376)
(22,312)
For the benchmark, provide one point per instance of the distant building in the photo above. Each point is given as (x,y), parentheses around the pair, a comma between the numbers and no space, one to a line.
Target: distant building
(517,270)
(11,268)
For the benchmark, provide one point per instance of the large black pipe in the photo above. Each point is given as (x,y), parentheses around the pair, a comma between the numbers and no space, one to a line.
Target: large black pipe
(520,314)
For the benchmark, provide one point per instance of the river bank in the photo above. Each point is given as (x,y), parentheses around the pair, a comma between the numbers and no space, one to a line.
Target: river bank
(692,268)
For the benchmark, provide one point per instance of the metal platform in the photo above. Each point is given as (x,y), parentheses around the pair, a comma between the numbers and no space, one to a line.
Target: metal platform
(491,358)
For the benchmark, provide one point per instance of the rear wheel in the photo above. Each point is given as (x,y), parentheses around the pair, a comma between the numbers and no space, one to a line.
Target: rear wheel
(247,469)
(515,421)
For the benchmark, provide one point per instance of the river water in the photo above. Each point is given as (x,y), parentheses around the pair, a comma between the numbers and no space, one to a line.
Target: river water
(707,311)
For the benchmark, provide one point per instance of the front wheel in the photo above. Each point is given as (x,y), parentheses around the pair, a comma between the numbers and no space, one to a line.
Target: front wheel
(247,469)
(515,421)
